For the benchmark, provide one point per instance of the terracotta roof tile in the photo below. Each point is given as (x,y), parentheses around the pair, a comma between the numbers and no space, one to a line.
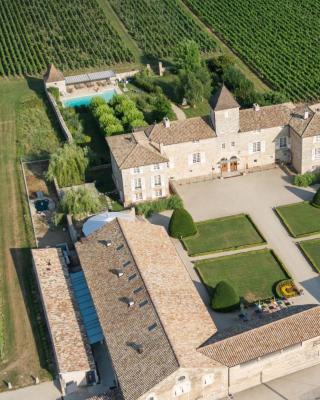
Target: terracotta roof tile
(223,100)
(189,130)
(53,74)
(70,343)
(278,331)
(128,153)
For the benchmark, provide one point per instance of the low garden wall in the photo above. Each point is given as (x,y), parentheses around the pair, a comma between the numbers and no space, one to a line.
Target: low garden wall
(62,124)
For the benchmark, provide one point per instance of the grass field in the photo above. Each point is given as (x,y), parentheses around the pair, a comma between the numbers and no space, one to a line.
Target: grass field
(301,219)
(311,249)
(253,274)
(223,234)
(25,349)
(281,49)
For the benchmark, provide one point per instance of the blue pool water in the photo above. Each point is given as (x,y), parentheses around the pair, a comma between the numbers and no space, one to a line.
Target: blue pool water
(85,100)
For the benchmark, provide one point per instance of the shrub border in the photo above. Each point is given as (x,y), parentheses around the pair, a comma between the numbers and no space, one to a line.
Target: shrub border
(307,255)
(266,250)
(244,246)
(285,223)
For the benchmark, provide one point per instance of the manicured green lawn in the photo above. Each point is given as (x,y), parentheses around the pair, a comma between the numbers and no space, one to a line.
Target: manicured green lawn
(253,274)
(223,234)
(301,219)
(311,249)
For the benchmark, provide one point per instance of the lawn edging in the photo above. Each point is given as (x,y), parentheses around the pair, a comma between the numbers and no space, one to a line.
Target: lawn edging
(230,248)
(307,256)
(285,223)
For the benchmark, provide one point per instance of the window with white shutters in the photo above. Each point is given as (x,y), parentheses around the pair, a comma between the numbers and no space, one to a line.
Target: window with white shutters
(138,196)
(136,170)
(317,153)
(158,193)
(256,147)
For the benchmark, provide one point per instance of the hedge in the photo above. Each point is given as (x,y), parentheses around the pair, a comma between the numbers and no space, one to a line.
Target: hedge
(316,199)
(181,224)
(148,208)
(224,298)
(307,179)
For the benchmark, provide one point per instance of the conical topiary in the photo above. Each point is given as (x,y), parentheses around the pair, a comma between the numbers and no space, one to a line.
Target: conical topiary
(181,224)
(224,298)
(316,199)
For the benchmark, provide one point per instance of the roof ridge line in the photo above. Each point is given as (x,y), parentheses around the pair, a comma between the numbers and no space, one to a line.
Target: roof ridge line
(146,288)
(312,306)
(130,152)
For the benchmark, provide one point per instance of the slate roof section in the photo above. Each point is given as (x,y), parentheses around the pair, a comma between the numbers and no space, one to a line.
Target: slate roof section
(70,343)
(152,272)
(128,153)
(223,100)
(271,334)
(125,328)
(266,117)
(53,74)
(189,130)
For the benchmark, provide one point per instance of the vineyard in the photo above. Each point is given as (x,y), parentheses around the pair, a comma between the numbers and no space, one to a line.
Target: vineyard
(73,34)
(277,38)
(159,26)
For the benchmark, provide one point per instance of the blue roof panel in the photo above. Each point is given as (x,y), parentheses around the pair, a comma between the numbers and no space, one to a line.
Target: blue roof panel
(86,306)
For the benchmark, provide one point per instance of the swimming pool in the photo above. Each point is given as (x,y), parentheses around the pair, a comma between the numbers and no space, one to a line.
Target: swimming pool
(85,100)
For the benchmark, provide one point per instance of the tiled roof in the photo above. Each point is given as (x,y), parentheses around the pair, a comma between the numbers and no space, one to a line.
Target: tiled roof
(125,328)
(128,153)
(305,127)
(53,74)
(276,332)
(69,339)
(191,129)
(223,100)
(173,304)
(266,117)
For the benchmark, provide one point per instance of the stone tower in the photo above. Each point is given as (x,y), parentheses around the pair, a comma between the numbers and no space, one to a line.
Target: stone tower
(224,112)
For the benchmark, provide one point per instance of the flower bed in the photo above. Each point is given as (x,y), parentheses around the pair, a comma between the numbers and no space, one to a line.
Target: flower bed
(287,288)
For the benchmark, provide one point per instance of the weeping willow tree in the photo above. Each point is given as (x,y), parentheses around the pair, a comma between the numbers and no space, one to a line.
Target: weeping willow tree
(80,202)
(68,164)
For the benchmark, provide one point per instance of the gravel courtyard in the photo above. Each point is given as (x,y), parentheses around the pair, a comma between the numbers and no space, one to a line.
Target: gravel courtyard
(257,194)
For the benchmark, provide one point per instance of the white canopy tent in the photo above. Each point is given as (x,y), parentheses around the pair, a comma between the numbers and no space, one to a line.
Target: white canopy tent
(99,220)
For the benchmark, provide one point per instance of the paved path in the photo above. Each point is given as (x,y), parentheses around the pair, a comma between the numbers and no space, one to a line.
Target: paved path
(181,116)
(43,391)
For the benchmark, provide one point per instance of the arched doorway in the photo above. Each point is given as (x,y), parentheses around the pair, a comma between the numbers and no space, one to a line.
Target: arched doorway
(233,164)
(223,165)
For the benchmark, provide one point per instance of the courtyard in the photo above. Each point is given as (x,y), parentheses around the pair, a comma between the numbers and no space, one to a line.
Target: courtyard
(253,274)
(237,231)
(256,195)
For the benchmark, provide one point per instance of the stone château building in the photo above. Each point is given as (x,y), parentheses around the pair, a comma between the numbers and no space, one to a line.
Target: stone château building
(227,142)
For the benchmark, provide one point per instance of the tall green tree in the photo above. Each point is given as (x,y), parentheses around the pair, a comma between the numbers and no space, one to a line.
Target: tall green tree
(188,57)
(80,202)
(68,165)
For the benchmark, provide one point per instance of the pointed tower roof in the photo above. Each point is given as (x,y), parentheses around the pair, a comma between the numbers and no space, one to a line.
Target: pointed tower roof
(223,100)
(53,74)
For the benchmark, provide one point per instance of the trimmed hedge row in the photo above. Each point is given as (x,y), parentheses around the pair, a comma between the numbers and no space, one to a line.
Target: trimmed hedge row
(307,179)
(148,208)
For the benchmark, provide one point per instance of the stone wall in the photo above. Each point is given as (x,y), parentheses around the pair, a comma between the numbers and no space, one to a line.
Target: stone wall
(275,365)
(207,384)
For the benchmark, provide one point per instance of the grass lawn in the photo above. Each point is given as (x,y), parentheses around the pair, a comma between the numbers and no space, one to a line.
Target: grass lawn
(27,129)
(223,234)
(253,274)
(311,249)
(301,219)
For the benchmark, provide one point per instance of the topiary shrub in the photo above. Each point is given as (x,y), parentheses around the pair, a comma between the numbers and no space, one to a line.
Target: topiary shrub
(316,199)
(181,224)
(224,298)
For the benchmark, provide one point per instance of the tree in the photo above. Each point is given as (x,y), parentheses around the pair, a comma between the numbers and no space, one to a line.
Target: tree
(181,224)
(80,202)
(68,165)
(224,298)
(188,56)
(316,199)
(192,88)
(110,124)
(162,108)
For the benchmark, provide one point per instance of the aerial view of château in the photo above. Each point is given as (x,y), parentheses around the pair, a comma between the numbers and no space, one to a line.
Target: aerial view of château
(160,200)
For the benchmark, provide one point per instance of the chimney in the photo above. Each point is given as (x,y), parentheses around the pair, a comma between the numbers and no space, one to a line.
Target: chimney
(140,348)
(130,303)
(166,122)
(119,273)
(256,107)
(306,113)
